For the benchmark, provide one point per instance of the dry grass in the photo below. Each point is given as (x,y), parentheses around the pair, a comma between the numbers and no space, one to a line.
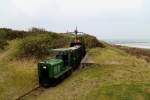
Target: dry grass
(117,76)
(19,75)
(128,79)
(16,75)
(138,52)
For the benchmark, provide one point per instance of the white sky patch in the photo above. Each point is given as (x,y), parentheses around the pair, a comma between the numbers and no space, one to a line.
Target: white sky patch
(98,5)
(35,7)
(101,3)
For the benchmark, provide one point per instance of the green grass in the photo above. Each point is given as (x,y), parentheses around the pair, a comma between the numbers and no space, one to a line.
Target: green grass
(16,75)
(18,60)
(116,76)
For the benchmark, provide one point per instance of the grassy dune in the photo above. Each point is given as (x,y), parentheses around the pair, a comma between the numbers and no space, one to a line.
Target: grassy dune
(16,75)
(116,76)
(19,55)
(138,52)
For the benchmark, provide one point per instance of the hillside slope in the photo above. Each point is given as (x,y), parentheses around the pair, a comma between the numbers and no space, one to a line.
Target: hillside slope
(19,54)
(115,76)
(16,75)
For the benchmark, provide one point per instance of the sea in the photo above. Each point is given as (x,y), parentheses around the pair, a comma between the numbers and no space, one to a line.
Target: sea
(131,43)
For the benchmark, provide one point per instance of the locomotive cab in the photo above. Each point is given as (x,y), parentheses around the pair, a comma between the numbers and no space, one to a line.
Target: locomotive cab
(63,56)
(49,70)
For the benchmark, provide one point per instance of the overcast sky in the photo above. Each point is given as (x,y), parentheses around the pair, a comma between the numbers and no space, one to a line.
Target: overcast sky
(114,19)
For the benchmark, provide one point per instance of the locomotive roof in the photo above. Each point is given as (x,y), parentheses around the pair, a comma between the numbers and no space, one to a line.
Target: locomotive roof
(66,49)
(52,61)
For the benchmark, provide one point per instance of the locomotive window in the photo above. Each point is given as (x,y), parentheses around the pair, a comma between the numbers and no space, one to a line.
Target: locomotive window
(65,59)
(56,69)
(59,55)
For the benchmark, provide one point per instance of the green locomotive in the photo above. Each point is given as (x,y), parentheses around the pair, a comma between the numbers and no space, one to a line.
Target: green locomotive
(67,59)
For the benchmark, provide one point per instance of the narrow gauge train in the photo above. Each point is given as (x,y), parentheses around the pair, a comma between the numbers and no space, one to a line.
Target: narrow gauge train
(51,71)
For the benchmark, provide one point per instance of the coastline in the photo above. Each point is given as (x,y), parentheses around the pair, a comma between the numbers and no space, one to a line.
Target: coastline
(135,45)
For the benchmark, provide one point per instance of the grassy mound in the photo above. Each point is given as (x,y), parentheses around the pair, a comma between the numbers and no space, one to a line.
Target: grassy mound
(138,52)
(16,75)
(92,42)
(19,51)
(36,42)
(38,45)
(116,76)
(3,44)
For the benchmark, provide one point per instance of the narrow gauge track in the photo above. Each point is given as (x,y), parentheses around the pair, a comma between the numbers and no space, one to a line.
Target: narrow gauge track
(35,92)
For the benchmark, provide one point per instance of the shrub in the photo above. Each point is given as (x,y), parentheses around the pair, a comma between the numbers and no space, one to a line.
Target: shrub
(91,41)
(3,44)
(38,45)
(36,41)
(37,30)
(8,34)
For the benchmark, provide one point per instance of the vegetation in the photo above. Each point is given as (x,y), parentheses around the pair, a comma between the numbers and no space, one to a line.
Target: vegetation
(16,75)
(36,41)
(138,52)
(9,34)
(115,76)
(3,44)
(19,53)
(38,45)
(91,41)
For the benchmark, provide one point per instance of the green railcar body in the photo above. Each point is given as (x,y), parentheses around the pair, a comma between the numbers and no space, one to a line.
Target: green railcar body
(54,66)
(51,69)
(66,60)
(71,56)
